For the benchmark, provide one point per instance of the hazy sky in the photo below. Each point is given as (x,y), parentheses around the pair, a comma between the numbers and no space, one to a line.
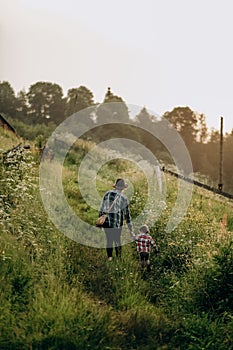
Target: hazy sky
(154,53)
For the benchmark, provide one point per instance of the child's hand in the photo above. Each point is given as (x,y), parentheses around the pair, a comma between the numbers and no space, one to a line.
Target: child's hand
(156,250)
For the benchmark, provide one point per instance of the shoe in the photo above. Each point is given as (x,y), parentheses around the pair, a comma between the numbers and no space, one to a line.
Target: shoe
(110,258)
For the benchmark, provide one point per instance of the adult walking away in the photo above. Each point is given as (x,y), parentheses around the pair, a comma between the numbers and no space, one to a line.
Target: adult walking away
(143,242)
(119,211)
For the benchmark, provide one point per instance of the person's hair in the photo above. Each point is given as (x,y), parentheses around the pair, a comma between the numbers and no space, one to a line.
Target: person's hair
(144,229)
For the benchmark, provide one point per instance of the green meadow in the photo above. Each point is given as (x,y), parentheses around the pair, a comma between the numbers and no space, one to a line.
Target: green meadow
(56,293)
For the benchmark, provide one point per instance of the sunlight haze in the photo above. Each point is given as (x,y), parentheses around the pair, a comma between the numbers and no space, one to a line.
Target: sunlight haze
(158,54)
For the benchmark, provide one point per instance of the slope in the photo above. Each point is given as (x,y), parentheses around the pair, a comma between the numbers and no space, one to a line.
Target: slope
(58,294)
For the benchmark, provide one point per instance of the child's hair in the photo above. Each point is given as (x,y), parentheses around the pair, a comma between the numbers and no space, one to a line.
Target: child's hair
(144,229)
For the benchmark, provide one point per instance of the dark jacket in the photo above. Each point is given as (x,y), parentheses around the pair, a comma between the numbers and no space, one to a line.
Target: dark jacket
(118,212)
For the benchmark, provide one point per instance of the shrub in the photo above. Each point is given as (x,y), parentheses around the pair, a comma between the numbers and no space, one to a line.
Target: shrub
(215,290)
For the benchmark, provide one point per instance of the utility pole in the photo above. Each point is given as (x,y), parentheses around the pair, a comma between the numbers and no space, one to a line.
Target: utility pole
(220,184)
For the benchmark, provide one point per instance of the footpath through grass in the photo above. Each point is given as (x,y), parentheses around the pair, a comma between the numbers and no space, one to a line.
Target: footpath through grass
(58,294)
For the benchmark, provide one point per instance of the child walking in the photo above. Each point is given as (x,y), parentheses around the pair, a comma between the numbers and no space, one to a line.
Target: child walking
(144,241)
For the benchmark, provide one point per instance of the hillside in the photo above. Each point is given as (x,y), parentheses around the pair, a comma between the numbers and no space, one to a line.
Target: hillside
(59,294)
(7,140)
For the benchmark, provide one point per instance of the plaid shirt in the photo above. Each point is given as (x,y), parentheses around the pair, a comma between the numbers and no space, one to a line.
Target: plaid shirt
(143,242)
(118,212)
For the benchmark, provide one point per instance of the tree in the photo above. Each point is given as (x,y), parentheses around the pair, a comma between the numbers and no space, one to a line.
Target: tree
(110,97)
(46,103)
(112,109)
(22,106)
(145,118)
(198,152)
(78,99)
(147,125)
(185,121)
(202,128)
(7,99)
(211,167)
(228,163)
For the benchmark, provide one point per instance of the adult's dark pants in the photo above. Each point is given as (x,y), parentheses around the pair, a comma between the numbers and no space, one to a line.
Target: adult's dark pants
(113,239)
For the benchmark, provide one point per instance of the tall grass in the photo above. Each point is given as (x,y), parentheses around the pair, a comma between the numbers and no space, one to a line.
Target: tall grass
(58,294)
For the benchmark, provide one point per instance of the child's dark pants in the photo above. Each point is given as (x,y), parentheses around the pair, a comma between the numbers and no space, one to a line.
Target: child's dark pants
(145,262)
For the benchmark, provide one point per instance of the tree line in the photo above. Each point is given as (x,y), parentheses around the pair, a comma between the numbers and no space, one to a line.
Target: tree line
(36,113)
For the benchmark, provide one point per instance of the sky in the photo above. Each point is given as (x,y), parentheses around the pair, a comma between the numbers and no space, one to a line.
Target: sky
(154,53)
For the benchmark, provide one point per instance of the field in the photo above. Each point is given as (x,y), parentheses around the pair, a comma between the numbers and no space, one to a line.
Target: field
(59,294)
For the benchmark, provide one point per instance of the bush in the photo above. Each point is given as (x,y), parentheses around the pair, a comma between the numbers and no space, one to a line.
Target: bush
(215,290)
